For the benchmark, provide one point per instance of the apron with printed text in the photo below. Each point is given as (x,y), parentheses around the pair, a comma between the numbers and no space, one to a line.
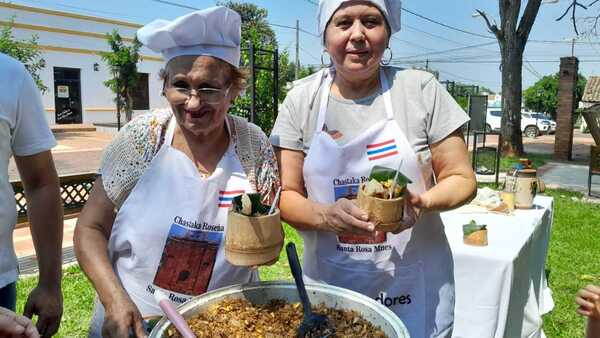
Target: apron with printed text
(411,272)
(170,232)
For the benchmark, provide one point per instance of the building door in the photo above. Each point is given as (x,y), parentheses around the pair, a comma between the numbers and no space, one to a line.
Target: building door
(67,95)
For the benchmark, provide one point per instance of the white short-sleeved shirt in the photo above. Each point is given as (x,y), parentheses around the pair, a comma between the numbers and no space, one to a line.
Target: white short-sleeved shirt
(423,109)
(24,131)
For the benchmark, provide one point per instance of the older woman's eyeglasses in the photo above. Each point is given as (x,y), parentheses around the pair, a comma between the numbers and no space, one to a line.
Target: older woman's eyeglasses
(207,95)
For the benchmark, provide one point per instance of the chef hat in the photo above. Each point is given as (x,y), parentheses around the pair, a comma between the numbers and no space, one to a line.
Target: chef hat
(390,9)
(213,31)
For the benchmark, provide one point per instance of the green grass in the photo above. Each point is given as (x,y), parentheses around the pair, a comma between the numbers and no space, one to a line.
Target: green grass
(281,269)
(573,262)
(78,293)
(507,162)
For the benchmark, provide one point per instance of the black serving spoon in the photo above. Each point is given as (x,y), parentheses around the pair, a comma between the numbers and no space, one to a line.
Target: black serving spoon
(313,324)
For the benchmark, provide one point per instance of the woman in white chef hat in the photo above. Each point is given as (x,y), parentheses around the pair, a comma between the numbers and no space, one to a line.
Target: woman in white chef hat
(157,215)
(337,124)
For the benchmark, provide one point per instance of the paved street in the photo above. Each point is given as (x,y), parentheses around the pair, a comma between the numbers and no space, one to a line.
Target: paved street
(544,144)
(76,152)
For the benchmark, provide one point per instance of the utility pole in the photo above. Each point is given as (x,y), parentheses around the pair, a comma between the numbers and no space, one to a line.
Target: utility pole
(573,47)
(297,73)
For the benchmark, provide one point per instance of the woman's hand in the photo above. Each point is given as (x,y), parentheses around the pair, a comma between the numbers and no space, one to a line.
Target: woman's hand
(413,208)
(122,317)
(344,216)
(587,298)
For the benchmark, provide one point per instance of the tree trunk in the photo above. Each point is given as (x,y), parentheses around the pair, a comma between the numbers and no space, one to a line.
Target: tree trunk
(118,111)
(129,111)
(512,67)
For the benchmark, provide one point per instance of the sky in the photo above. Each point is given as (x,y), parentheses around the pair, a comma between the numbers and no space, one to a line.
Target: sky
(461,57)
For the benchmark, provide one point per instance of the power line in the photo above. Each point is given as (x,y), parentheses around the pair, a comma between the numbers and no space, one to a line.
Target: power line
(269,23)
(462,77)
(176,4)
(447,50)
(565,42)
(430,20)
(90,11)
(294,28)
(445,25)
(532,69)
(481,61)
(465,31)
(411,43)
(310,54)
(432,35)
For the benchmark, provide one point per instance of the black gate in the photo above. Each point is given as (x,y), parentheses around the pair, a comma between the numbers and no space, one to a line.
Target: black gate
(260,105)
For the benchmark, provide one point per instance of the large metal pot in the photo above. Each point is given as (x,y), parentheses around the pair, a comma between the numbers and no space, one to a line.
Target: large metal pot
(263,292)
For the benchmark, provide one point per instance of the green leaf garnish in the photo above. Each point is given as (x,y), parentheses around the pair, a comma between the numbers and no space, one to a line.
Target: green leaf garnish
(472,227)
(382,174)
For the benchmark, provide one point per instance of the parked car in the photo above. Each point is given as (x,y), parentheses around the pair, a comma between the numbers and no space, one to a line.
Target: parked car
(532,123)
(543,121)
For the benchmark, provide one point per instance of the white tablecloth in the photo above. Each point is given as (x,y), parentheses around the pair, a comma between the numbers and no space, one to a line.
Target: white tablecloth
(501,289)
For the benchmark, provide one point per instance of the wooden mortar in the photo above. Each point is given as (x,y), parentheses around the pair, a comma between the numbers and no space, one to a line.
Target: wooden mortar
(251,241)
(476,238)
(386,214)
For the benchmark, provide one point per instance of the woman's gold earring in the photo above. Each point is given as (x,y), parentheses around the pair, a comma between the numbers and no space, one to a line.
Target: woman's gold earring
(387,62)
(323,63)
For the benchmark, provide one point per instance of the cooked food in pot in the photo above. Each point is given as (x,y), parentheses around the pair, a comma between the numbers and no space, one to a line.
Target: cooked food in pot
(240,318)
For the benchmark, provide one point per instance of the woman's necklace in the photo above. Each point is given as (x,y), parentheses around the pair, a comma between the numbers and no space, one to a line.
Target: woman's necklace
(203,172)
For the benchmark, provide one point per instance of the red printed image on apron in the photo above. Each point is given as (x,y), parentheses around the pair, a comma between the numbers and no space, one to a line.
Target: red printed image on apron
(350,191)
(188,260)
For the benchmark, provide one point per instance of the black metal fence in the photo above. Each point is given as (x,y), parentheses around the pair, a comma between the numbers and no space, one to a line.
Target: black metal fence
(260,103)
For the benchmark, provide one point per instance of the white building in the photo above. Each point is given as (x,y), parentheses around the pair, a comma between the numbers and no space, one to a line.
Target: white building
(75,72)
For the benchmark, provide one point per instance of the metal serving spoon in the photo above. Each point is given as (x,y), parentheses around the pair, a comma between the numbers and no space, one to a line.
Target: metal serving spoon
(313,324)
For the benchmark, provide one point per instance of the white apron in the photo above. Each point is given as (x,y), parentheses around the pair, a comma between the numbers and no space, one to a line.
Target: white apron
(410,272)
(169,233)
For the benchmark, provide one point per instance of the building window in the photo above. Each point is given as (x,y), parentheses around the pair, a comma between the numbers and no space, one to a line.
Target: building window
(141,99)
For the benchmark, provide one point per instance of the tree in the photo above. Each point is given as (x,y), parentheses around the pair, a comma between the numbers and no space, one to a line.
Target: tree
(486,90)
(26,51)
(122,62)
(257,32)
(512,37)
(543,95)
(306,71)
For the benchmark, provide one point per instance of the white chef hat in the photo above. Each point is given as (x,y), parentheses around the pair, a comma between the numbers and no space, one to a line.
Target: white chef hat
(390,9)
(213,31)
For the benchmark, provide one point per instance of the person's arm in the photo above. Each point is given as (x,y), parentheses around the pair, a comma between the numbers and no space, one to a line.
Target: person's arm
(304,214)
(45,211)
(91,248)
(456,183)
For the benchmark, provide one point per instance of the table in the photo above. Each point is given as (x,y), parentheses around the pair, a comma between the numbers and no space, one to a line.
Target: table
(501,289)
